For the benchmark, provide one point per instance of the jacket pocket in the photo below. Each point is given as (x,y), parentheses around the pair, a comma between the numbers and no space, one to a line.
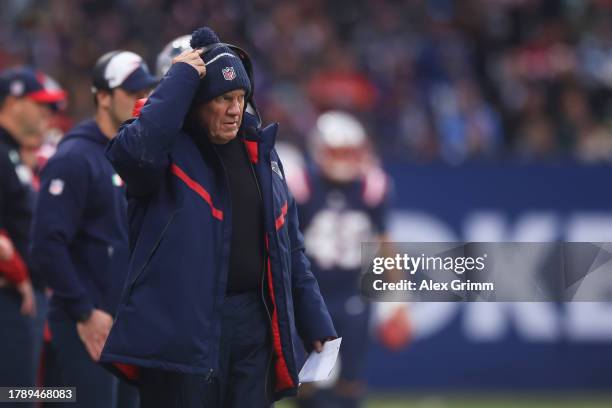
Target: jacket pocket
(139,275)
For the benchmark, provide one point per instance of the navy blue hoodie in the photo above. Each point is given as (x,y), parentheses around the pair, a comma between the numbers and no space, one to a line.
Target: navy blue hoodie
(79,230)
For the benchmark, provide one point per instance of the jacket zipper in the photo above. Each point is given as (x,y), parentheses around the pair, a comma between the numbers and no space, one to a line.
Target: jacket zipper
(208,378)
(263,275)
(229,200)
(144,265)
(276,239)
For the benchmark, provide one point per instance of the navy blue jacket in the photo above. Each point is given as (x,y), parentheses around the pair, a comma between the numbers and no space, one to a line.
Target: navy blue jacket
(16,199)
(79,231)
(180,228)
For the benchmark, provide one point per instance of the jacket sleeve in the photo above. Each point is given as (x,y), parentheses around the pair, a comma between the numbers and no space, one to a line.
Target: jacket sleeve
(139,152)
(59,209)
(313,321)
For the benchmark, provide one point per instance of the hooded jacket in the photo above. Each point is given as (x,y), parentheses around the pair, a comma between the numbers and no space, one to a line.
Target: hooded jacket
(79,230)
(180,230)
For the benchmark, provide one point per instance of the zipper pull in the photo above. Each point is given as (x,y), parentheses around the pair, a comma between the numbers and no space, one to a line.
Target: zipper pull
(208,378)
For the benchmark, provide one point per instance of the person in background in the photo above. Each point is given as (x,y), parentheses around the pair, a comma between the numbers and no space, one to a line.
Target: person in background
(172,50)
(343,200)
(79,233)
(28,99)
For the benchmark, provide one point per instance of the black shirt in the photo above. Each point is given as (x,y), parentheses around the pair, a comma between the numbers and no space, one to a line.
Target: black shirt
(247,243)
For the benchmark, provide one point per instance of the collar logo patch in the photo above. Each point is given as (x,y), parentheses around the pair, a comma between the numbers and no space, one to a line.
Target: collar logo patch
(276,169)
(14,157)
(56,187)
(117,181)
(24,174)
(228,73)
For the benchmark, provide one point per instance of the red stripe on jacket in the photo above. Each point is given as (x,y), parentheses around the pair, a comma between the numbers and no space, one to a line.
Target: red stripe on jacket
(13,269)
(131,372)
(280,221)
(283,378)
(197,187)
(252,148)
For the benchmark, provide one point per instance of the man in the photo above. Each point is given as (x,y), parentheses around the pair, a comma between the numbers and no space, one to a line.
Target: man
(219,286)
(27,99)
(79,234)
(343,200)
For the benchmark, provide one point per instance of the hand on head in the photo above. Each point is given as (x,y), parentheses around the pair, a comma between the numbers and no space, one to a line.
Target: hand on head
(193,58)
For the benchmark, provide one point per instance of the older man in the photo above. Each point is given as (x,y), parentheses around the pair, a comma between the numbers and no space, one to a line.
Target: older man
(219,286)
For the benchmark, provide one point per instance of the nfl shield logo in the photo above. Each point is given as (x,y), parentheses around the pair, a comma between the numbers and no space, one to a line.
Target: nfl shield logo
(56,187)
(228,73)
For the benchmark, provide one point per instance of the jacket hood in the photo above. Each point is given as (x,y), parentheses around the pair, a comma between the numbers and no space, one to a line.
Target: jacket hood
(88,129)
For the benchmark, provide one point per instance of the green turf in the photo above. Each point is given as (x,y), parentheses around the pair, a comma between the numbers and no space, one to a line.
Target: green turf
(510,401)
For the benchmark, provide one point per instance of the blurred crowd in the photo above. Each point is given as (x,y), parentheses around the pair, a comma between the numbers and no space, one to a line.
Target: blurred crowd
(445,80)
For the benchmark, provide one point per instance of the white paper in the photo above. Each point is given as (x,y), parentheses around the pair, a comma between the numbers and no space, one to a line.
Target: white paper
(318,366)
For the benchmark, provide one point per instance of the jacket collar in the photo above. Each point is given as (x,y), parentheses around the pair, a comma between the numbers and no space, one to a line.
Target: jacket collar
(87,129)
(249,128)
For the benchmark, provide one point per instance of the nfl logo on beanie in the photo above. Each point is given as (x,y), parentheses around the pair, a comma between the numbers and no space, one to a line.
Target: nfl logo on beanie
(228,73)
(224,69)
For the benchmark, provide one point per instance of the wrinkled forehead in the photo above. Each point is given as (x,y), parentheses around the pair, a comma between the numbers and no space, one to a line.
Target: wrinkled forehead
(235,93)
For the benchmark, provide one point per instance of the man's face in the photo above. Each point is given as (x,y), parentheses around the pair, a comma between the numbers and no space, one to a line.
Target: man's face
(342,165)
(122,103)
(32,118)
(223,115)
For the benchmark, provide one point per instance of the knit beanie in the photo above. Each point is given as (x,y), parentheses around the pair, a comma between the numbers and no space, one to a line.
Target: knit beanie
(224,69)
